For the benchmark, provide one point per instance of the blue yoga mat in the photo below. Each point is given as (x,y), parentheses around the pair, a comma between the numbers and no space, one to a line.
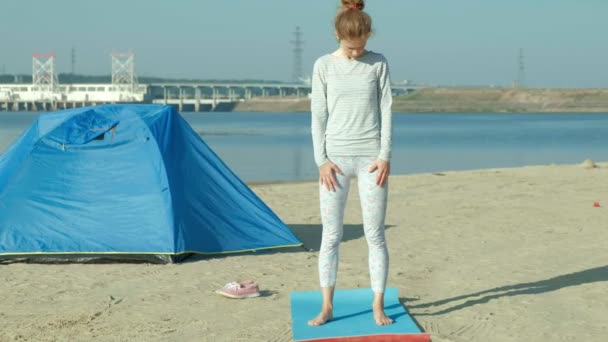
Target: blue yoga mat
(353,317)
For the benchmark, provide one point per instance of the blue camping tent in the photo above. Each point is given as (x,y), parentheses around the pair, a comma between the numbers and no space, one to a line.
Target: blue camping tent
(130,182)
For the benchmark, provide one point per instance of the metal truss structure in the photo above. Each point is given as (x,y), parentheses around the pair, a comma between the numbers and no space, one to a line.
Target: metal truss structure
(297,73)
(521,70)
(44,77)
(123,71)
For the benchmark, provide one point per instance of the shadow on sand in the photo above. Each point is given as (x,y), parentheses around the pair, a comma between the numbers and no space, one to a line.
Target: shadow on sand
(309,234)
(592,275)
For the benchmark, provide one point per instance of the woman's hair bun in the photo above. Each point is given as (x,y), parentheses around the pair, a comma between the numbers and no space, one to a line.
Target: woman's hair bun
(353,4)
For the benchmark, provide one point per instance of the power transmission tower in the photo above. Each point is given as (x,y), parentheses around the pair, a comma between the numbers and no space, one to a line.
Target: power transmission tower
(297,43)
(123,71)
(73,69)
(43,72)
(521,71)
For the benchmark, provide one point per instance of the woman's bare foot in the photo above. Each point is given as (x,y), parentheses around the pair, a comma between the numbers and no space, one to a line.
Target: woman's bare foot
(324,317)
(381,318)
(327,308)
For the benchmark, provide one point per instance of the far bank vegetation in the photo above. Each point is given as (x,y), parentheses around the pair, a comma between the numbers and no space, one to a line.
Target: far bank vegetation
(465,100)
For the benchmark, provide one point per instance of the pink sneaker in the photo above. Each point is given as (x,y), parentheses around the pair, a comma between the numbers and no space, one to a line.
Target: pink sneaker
(239,290)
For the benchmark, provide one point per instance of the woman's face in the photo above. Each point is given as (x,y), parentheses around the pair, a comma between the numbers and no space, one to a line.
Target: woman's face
(353,48)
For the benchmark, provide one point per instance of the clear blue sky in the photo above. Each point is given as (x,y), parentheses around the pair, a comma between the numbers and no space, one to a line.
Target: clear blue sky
(463,42)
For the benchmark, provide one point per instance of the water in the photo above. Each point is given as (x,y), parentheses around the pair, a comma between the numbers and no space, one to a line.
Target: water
(263,147)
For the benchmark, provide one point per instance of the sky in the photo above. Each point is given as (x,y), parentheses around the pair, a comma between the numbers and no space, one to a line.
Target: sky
(435,42)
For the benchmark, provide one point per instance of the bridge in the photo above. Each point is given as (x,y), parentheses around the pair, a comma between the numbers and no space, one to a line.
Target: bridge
(198,95)
(45,93)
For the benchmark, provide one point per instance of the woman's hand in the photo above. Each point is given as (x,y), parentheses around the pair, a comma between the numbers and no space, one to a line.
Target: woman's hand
(384,168)
(327,175)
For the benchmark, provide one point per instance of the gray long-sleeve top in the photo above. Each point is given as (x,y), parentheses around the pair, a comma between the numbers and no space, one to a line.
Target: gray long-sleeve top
(351,107)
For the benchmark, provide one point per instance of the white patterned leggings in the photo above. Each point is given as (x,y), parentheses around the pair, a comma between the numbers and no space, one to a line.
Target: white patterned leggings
(373,207)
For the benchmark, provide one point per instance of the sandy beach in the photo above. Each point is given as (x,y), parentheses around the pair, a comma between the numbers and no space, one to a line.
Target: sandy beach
(489,255)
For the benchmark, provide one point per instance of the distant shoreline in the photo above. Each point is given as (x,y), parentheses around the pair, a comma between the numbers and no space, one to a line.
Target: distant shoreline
(464,100)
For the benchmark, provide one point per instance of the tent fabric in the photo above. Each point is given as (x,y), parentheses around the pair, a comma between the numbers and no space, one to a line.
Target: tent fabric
(125,182)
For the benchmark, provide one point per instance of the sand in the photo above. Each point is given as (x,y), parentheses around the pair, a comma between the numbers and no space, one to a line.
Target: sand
(490,255)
